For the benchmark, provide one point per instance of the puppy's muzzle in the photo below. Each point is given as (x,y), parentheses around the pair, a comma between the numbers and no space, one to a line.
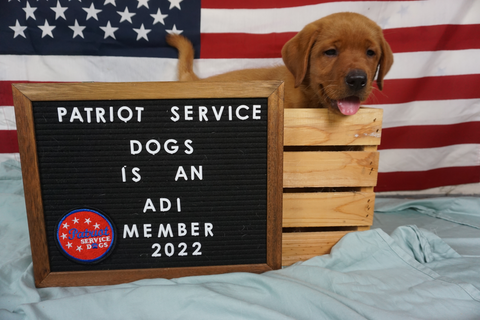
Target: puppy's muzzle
(356,80)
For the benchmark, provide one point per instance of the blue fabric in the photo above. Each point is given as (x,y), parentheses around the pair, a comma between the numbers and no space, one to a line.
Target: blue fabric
(410,274)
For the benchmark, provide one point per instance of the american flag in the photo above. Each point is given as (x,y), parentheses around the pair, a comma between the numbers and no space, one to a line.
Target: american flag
(431,100)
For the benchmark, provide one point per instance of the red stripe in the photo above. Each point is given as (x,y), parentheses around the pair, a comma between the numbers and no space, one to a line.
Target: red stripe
(401,181)
(242,46)
(429,38)
(435,136)
(9,142)
(433,38)
(428,88)
(263,4)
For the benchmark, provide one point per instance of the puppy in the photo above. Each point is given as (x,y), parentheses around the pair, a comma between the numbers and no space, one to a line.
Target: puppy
(331,63)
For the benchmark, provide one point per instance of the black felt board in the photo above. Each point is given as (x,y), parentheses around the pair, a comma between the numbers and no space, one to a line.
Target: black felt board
(90,165)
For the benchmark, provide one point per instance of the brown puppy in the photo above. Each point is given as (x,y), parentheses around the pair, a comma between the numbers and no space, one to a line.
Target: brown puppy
(331,63)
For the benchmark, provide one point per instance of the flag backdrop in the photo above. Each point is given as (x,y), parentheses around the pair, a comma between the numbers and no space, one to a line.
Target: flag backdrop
(431,100)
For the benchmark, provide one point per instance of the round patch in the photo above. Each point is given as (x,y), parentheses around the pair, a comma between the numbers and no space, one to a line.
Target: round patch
(85,235)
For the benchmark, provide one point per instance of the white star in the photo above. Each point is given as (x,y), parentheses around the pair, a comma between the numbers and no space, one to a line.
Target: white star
(65,225)
(47,29)
(19,30)
(159,17)
(92,12)
(79,248)
(126,15)
(174,30)
(175,4)
(64,236)
(75,220)
(142,32)
(77,31)
(111,2)
(109,32)
(96,226)
(87,221)
(69,244)
(29,12)
(59,11)
(143,3)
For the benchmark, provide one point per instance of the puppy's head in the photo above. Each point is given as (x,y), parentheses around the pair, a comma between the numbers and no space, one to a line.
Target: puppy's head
(335,59)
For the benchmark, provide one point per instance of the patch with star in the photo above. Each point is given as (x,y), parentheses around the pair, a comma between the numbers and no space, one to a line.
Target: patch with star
(85,236)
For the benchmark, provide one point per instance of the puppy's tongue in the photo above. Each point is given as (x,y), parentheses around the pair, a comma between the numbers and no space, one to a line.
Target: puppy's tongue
(349,106)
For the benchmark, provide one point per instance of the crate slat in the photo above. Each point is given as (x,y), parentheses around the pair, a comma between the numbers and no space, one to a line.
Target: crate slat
(320,127)
(300,246)
(330,169)
(328,209)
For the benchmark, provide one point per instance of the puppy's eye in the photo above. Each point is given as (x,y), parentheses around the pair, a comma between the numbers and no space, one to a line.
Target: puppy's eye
(370,53)
(331,53)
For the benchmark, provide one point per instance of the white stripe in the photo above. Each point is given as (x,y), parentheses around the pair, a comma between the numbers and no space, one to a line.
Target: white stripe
(441,112)
(393,14)
(88,68)
(401,160)
(9,156)
(7,118)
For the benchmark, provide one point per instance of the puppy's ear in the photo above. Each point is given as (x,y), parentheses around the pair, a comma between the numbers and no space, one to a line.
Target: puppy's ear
(385,63)
(296,52)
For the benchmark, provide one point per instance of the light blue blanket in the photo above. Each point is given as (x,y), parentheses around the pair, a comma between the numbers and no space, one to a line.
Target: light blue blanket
(410,274)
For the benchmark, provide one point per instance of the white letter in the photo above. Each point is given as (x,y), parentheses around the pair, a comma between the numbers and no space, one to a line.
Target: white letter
(134,143)
(137,177)
(188,112)
(124,176)
(208,229)
(162,207)
(181,174)
(147,228)
(172,150)
(182,229)
(256,111)
(153,152)
(187,144)
(194,172)
(111,114)
(61,112)
(100,112)
(202,113)
(238,112)
(76,115)
(149,206)
(130,232)
(165,231)
(176,115)
(195,229)
(89,114)
(139,113)
(179,207)
(218,115)
(230,113)
(130,114)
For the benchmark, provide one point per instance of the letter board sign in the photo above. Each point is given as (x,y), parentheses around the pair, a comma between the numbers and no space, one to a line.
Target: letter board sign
(137,180)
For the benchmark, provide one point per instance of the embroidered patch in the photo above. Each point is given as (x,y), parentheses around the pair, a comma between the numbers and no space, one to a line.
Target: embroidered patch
(85,235)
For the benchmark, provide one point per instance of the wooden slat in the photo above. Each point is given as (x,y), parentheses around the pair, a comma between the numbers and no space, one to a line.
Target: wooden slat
(330,169)
(320,127)
(328,209)
(300,246)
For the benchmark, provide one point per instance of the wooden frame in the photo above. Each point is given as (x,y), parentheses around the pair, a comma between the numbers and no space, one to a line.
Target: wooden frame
(26,94)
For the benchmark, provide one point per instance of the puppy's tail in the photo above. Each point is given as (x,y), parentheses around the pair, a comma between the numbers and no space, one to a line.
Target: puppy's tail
(185,56)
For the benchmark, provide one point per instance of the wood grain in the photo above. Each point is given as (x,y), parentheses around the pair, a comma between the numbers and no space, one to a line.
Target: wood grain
(328,209)
(320,127)
(330,169)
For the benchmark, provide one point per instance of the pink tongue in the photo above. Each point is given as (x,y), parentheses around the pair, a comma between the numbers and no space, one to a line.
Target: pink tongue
(349,106)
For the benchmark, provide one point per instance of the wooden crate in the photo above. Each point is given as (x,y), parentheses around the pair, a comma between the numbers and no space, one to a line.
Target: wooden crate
(330,169)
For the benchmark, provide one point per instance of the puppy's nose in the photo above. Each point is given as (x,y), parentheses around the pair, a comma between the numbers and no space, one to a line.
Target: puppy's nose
(356,79)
